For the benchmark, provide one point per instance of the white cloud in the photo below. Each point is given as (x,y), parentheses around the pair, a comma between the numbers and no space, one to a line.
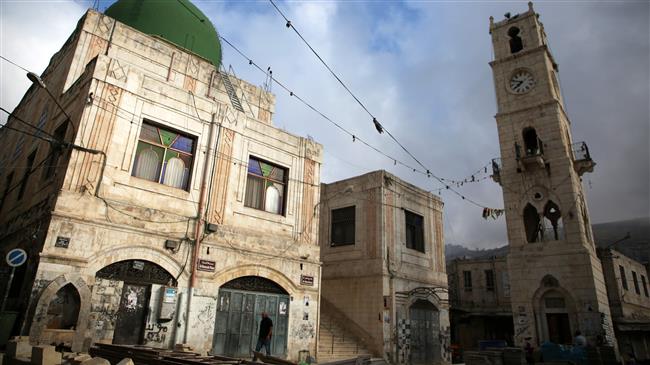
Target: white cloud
(422,69)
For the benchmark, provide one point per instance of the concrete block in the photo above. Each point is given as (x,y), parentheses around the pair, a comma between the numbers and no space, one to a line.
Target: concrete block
(126,361)
(45,355)
(18,348)
(96,361)
(80,358)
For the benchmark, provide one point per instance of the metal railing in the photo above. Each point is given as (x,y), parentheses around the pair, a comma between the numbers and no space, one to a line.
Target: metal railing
(580,151)
(496,166)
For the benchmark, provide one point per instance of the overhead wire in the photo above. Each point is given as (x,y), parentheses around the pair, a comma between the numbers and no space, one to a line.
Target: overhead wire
(426,172)
(380,128)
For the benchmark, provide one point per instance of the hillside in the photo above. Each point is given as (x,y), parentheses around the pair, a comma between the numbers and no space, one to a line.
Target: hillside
(637,246)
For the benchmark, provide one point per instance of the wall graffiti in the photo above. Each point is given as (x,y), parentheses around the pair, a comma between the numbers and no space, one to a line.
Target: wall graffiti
(206,315)
(305,331)
(445,344)
(155,333)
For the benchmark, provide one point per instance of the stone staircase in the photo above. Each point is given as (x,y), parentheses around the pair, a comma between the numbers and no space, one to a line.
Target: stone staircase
(336,343)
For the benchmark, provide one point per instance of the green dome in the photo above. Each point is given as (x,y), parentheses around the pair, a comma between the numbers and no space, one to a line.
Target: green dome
(177,21)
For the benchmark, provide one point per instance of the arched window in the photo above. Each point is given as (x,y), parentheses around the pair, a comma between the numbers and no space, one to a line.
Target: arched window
(175,173)
(273,203)
(531,224)
(63,310)
(553,220)
(532,145)
(147,165)
(516,44)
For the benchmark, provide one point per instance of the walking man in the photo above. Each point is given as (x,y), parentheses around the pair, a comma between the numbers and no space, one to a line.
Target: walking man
(266,331)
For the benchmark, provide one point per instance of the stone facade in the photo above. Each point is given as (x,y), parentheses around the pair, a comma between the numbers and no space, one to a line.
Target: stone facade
(81,212)
(479,295)
(628,290)
(374,278)
(557,284)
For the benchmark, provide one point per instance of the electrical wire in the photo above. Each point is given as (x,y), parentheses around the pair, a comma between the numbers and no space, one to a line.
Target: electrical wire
(13,63)
(380,128)
(426,172)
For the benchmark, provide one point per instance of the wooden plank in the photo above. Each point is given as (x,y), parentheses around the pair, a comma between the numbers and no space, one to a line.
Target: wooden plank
(272,359)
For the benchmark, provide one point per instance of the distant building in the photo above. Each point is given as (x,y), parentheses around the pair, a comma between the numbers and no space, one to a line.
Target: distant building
(479,296)
(180,215)
(384,279)
(628,290)
(480,311)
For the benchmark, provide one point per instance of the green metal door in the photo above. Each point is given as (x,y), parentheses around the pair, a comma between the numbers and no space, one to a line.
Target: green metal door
(238,319)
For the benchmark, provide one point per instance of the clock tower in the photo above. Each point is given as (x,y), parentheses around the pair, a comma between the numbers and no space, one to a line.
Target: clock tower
(556,279)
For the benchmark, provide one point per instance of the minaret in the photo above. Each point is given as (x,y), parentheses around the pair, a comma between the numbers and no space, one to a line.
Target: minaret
(556,279)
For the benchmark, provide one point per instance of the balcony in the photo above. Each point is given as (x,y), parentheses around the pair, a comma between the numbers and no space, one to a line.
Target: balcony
(582,161)
(496,170)
(531,155)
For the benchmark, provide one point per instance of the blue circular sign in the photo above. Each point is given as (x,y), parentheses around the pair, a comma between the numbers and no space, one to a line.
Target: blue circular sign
(16,257)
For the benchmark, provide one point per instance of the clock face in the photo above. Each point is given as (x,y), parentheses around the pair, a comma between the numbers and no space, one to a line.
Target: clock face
(522,82)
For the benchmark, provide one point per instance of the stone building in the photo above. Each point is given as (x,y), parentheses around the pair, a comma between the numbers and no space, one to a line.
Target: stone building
(384,280)
(628,290)
(168,208)
(556,280)
(479,298)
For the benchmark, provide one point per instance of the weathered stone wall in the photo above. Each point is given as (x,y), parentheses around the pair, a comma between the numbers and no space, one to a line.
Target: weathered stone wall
(114,78)
(626,304)
(374,282)
(477,298)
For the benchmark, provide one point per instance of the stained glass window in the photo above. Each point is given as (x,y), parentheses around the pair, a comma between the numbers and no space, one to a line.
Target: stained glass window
(265,186)
(164,156)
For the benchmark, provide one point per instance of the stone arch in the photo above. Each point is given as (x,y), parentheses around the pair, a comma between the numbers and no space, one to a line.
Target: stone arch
(553,220)
(549,285)
(226,275)
(429,297)
(516,44)
(532,145)
(47,295)
(532,224)
(141,252)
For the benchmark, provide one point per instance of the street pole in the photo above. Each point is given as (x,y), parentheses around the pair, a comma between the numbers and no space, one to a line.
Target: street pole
(4,299)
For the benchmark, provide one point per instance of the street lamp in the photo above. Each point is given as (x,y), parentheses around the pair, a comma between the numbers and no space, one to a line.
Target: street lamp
(36,80)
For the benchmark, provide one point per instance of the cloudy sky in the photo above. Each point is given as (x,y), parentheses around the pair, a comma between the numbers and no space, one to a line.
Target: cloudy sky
(422,68)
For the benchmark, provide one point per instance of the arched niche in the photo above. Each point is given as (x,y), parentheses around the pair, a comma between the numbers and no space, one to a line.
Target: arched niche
(516,44)
(63,310)
(531,224)
(49,295)
(553,224)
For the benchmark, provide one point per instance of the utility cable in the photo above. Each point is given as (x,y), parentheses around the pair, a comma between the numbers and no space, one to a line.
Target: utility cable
(380,128)
(425,172)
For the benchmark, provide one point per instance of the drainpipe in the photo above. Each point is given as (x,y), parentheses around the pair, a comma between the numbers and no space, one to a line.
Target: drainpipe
(320,286)
(199,221)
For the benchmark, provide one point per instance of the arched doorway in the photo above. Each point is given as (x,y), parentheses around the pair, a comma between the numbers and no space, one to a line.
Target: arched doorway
(239,312)
(425,347)
(557,324)
(135,277)
(63,311)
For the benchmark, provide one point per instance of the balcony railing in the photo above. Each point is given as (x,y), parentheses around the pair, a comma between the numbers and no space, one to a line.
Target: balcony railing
(580,151)
(530,155)
(496,170)
(582,161)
